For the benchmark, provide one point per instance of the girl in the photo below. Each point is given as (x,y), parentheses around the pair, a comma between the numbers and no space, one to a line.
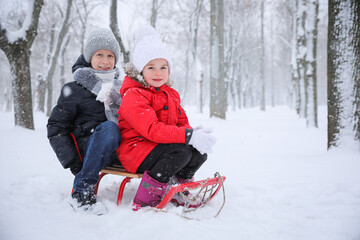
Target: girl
(157,139)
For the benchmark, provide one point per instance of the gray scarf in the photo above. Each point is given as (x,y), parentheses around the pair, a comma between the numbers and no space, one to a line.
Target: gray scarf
(92,80)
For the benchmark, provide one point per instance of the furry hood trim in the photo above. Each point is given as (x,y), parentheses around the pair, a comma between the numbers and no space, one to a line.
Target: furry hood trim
(131,71)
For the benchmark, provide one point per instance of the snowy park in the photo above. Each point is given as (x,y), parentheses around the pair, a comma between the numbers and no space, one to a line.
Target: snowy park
(276,81)
(282,183)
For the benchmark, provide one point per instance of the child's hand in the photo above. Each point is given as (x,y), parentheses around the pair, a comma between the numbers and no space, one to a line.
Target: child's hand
(207,130)
(104,92)
(202,140)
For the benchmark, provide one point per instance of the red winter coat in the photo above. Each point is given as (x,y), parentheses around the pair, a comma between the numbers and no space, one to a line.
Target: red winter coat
(148,116)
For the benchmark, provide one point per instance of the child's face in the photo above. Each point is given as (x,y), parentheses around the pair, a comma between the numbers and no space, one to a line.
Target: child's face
(103,60)
(156,72)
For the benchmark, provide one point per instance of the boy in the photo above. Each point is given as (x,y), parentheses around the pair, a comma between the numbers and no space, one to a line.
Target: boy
(82,127)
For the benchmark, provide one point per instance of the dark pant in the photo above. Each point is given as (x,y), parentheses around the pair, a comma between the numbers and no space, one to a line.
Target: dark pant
(99,154)
(167,160)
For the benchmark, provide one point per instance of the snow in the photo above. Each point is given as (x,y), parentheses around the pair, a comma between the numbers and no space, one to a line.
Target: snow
(18,8)
(281,183)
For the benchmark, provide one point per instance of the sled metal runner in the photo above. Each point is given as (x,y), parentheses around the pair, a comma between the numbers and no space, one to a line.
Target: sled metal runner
(120,171)
(208,188)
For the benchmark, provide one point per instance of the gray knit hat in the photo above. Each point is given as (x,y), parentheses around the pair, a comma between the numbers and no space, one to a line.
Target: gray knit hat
(98,39)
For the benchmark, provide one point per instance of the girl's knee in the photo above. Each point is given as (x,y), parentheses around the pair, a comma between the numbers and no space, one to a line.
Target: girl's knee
(198,156)
(183,149)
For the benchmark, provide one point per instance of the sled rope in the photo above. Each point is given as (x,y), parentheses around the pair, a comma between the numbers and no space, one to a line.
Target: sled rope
(223,189)
(207,190)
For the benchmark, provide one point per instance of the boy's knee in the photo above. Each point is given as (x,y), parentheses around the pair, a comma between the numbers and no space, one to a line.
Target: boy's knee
(109,125)
(111,131)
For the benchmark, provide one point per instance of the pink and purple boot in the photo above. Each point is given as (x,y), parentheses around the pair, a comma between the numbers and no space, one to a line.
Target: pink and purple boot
(150,192)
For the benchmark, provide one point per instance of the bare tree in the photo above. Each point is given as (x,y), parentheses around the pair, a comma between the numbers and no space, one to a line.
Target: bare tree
(343,71)
(84,9)
(294,83)
(154,12)
(301,57)
(115,29)
(18,53)
(40,92)
(194,68)
(230,52)
(356,74)
(218,98)
(304,62)
(262,60)
(62,63)
(311,76)
(55,55)
(5,84)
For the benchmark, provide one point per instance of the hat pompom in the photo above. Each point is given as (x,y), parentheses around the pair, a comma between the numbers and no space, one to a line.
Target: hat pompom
(148,47)
(145,31)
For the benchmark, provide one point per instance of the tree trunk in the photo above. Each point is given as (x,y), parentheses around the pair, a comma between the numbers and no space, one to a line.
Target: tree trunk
(293,87)
(262,60)
(154,11)
(272,59)
(343,71)
(51,72)
(115,29)
(311,76)
(18,54)
(196,64)
(218,98)
(200,93)
(301,58)
(355,5)
(8,97)
(21,86)
(40,90)
(62,63)
(48,81)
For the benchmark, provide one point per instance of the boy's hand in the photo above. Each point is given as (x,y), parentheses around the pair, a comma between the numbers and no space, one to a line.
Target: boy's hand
(104,92)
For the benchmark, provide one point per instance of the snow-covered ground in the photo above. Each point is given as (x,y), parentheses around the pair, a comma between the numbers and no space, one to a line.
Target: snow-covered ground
(281,183)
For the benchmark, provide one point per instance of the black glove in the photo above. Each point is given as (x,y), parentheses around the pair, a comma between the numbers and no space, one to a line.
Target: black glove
(76,167)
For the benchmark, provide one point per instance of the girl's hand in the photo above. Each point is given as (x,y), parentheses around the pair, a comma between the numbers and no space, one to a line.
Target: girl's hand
(202,140)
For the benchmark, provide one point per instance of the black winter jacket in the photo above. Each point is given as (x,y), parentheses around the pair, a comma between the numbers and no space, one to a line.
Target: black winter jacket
(77,112)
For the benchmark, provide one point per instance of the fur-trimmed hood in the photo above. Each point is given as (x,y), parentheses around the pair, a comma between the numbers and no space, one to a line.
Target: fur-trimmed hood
(131,71)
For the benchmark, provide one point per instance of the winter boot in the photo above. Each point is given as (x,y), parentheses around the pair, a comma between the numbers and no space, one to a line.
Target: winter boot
(185,198)
(81,202)
(84,199)
(149,193)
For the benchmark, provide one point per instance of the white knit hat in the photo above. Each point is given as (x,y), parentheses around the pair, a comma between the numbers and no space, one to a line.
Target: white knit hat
(148,47)
(98,39)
